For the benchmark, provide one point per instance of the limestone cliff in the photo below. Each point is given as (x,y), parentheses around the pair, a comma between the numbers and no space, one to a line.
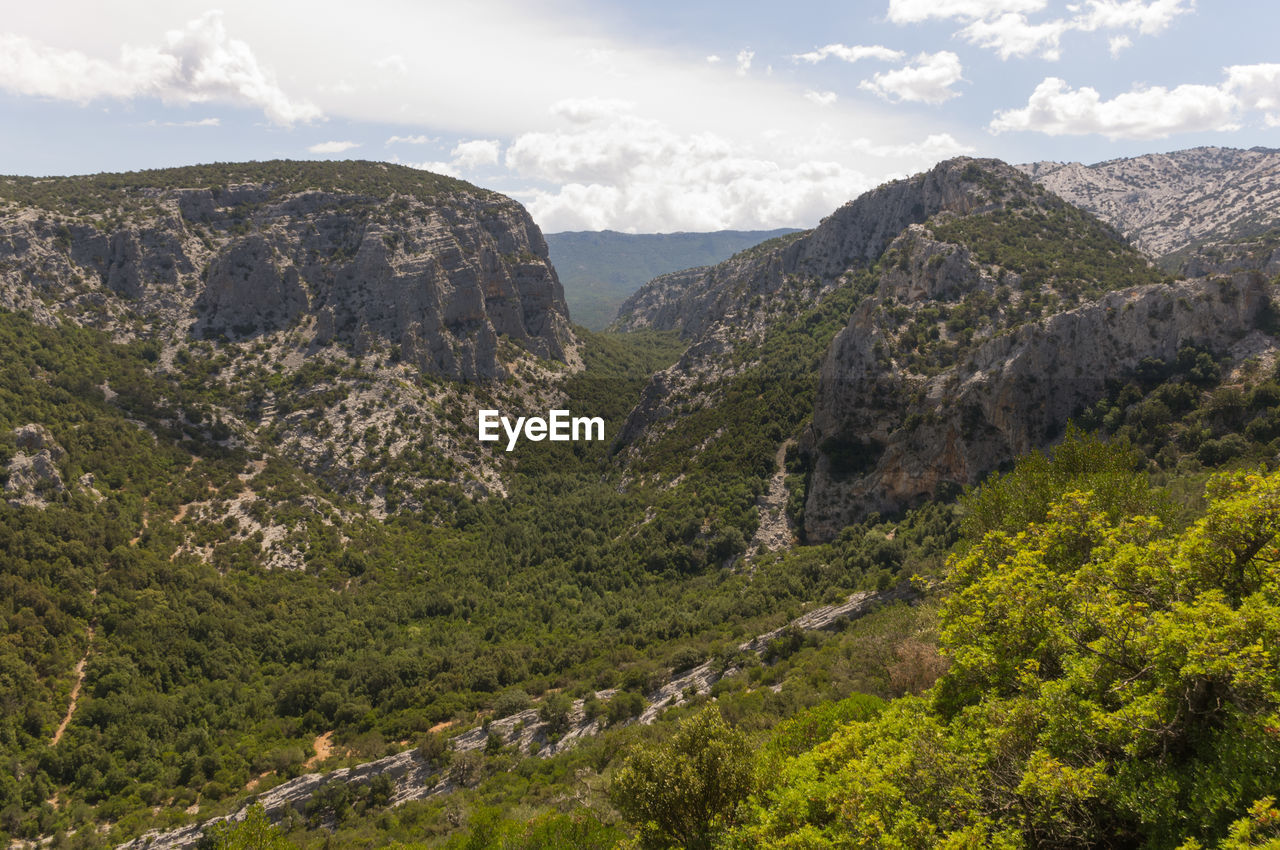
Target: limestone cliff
(362,254)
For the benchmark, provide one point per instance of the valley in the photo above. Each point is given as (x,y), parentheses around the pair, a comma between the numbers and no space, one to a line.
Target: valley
(960,505)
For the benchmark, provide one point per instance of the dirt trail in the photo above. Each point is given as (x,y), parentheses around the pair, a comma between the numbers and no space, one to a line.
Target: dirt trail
(75,692)
(323,745)
(776,530)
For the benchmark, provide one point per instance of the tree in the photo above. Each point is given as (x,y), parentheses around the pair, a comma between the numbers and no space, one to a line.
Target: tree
(255,832)
(681,794)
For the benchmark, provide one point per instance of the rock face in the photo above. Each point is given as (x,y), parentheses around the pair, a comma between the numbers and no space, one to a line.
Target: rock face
(885,439)
(32,473)
(368,256)
(1166,202)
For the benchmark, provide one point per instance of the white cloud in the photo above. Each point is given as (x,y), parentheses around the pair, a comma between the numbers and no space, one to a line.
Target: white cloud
(584,110)
(196,64)
(1056,109)
(333,147)
(936,147)
(639,174)
(411,140)
(395,62)
(1012,35)
(202,122)
(1257,87)
(915,11)
(744,61)
(475,153)
(1003,26)
(713,59)
(822,98)
(851,53)
(927,80)
(1118,43)
(1148,18)
(466,156)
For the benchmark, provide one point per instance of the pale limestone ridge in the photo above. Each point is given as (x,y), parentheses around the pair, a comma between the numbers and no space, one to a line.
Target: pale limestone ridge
(1171,201)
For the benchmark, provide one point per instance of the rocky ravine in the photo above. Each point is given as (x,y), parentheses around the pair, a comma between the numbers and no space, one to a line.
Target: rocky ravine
(414,778)
(1166,202)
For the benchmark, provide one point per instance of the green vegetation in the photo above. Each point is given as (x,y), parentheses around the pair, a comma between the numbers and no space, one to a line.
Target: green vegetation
(125,193)
(1112,679)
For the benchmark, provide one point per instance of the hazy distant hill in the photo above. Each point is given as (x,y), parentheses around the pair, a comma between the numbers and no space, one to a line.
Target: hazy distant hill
(599,269)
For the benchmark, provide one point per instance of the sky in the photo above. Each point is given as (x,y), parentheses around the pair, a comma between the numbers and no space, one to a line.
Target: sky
(663,116)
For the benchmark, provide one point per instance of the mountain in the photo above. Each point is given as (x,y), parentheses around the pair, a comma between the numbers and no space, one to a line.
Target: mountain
(980,313)
(1167,203)
(346,313)
(599,269)
(359,254)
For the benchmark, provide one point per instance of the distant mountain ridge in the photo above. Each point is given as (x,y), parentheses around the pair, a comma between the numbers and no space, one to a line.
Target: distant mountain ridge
(600,269)
(1169,203)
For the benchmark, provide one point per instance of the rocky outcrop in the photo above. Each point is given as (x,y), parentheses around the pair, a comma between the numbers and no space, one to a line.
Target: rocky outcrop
(885,438)
(32,474)
(1166,202)
(373,257)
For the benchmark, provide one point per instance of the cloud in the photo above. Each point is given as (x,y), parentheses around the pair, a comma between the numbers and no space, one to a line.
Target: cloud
(640,174)
(333,147)
(927,80)
(851,53)
(411,140)
(475,153)
(1256,87)
(1012,35)
(584,110)
(822,98)
(1118,43)
(1003,26)
(1056,109)
(202,122)
(196,64)
(466,156)
(936,147)
(395,62)
(915,11)
(1148,18)
(713,59)
(744,61)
